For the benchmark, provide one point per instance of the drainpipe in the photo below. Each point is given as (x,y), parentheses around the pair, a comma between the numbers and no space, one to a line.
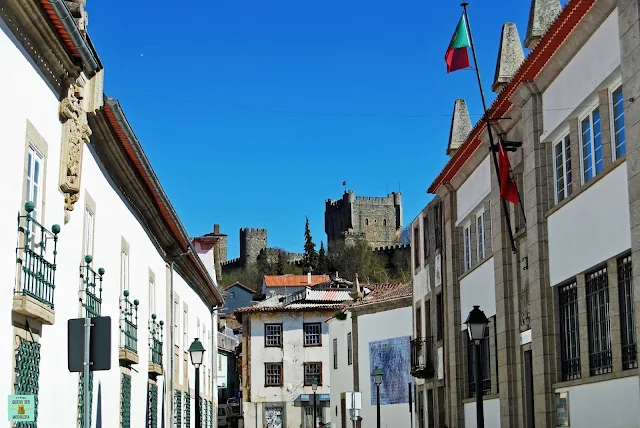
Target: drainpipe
(214,357)
(69,25)
(171,344)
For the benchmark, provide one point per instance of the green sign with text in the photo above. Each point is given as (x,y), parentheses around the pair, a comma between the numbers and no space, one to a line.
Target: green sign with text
(21,408)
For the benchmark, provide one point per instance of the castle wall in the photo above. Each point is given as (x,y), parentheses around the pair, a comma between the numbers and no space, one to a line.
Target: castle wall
(252,241)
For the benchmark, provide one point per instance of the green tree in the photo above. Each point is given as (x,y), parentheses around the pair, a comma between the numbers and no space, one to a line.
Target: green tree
(323,262)
(349,258)
(310,259)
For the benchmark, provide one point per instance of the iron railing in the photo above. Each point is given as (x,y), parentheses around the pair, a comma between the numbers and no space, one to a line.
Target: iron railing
(92,282)
(36,268)
(156,340)
(423,358)
(485,366)
(627,314)
(129,323)
(569,331)
(599,323)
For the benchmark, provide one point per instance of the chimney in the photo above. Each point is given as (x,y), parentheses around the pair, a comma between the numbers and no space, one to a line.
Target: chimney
(460,126)
(541,16)
(309,278)
(216,229)
(510,56)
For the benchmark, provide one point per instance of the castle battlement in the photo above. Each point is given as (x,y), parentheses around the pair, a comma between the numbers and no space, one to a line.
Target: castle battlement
(391,199)
(253,229)
(230,262)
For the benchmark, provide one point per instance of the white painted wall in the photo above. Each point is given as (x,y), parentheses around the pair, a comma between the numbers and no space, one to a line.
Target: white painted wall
(591,228)
(478,288)
(293,354)
(342,378)
(595,61)
(473,190)
(371,328)
(491,414)
(611,404)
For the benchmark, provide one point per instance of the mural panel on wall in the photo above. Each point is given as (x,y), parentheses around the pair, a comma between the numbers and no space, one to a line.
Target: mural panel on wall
(392,356)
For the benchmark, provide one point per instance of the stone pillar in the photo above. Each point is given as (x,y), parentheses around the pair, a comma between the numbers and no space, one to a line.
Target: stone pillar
(456,357)
(629,28)
(538,172)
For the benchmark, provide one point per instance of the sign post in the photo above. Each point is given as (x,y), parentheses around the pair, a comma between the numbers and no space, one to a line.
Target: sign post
(87,363)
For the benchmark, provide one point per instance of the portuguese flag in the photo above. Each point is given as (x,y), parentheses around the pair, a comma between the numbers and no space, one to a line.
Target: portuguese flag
(457,56)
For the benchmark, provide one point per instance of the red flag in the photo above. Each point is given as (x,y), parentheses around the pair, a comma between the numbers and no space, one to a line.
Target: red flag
(508,187)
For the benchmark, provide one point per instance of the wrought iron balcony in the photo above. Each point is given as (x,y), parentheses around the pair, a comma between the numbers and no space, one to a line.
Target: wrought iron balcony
(35,264)
(129,323)
(92,293)
(423,358)
(155,343)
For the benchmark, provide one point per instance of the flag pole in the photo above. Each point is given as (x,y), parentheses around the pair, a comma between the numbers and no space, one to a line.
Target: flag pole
(488,122)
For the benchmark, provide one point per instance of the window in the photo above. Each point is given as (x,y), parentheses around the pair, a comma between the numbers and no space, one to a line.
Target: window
(467,247)
(420,409)
(485,367)
(425,236)
(273,335)
(152,296)
(349,349)
(599,322)
(185,328)
(335,353)
(384,222)
(124,271)
(273,374)
(569,331)
(312,334)
(418,323)
(232,295)
(427,318)
(176,321)
(619,138)
(482,252)
(437,225)
(219,362)
(366,222)
(591,140)
(627,314)
(415,242)
(88,231)
(440,316)
(562,156)
(34,181)
(312,371)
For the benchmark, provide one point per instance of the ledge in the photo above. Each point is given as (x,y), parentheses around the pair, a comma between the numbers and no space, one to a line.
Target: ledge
(128,356)
(597,378)
(484,398)
(155,369)
(32,308)
(468,272)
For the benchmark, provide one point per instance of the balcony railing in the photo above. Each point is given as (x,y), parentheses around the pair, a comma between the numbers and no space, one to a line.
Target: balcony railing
(155,340)
(129,323)
(36,267)
(423,358)
(92,281)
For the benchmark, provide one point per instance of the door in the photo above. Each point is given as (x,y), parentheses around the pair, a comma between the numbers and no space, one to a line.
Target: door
(431,411)
(273,416)
(528,388)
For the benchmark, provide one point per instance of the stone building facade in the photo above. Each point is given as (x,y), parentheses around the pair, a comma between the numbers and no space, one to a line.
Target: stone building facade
(563,307)
(377,220)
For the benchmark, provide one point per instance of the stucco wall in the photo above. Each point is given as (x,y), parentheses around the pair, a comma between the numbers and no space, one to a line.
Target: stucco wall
(473,190)
(342,377)
(491,410)
(478,288)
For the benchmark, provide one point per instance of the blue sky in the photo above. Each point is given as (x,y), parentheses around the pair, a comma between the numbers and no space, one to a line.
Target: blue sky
(254,112)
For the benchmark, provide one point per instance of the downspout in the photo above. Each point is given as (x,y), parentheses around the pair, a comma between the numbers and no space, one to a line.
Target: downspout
(171,344)
(69,25)
(214,358)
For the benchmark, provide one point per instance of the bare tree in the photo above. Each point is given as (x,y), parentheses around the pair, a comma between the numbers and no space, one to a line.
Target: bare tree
(405,235)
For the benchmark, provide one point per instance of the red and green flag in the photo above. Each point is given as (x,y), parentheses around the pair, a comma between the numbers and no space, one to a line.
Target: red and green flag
(457,56)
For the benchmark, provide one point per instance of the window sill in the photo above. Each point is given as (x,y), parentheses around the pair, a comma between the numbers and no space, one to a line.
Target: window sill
(596,378)
(488,256)
(484,398)
(586,186)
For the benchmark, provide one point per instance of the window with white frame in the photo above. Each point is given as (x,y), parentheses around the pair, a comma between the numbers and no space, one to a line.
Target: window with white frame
(88,231)
(152,296)
(34,181)
(591,145)
(124,271)
(466,233)
(185,328)
(562,168)
(176,322)
(482,251)
(619,138)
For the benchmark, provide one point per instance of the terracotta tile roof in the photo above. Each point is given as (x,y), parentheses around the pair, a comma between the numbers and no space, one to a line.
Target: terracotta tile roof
(293,280)
(537,59)
(384,293)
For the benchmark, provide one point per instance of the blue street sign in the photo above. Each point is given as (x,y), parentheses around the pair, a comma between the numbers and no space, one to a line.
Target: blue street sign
(325,397)
(304,397)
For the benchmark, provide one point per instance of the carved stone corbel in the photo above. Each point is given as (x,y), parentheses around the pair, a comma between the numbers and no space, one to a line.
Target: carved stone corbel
(75,132)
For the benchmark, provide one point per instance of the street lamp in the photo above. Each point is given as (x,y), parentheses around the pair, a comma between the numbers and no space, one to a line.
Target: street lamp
(377,376)
(314,387)
(477,323)
(196,351)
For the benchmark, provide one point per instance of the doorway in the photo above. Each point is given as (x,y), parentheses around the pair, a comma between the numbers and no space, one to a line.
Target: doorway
(528,388)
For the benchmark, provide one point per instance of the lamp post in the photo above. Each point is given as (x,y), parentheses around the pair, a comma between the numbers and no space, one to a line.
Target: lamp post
(196,351)
(314,387)
(377,376)
(477,323)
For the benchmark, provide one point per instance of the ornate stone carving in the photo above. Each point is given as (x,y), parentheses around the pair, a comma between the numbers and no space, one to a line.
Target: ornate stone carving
(75,132)
(77,9)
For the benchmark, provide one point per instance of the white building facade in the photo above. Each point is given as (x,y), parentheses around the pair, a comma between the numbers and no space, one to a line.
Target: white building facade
(90,232)
(373,332)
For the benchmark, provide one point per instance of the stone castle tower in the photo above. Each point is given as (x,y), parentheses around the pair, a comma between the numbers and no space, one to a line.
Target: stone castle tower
(378,220)
(252,241)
